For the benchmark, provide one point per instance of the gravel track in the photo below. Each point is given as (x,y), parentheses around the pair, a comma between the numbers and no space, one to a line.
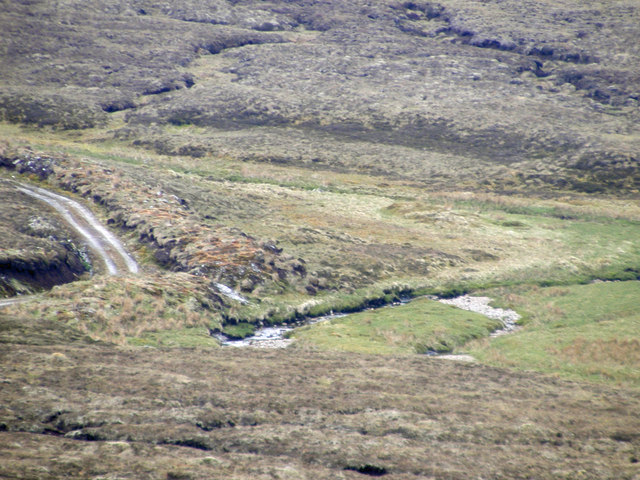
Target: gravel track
(101,241)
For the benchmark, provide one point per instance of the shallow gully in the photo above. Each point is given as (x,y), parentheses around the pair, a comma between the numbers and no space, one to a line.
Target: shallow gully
(274,336)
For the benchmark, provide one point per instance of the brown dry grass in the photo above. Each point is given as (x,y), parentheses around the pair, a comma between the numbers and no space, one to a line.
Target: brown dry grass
(114,309)
(147,413)
(563,203)
(624,352)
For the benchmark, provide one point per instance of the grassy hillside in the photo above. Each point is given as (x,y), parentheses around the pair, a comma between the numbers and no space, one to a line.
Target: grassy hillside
(516,95)
(211,413)
(269,162)
(299,245)
(580,331)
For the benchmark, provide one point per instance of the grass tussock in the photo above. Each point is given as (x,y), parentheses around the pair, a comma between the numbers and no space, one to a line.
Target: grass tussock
(119,308)
(300,414)
(310,182)
(351,232)
(347,242)
(625,352)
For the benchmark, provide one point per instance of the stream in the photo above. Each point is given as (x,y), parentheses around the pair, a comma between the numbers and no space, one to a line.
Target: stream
(271,337)
(274,336)
(116,259)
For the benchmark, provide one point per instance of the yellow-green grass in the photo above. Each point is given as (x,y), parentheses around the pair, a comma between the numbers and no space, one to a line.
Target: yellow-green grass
(584,332)
(364,236)
(239,330)
(114,309)
(370,234)
(417,327)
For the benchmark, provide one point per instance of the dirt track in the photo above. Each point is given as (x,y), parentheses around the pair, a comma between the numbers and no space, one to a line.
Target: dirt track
(102,242)
(10,301)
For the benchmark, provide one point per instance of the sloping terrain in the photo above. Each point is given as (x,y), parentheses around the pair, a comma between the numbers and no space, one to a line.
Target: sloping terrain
(104,243)
(473,96)
(296,245)
(269,161)
(37,249)
(78,410)
(451,93)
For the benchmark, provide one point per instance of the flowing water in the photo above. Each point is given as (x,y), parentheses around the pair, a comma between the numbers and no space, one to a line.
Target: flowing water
(275,336)
(271,337)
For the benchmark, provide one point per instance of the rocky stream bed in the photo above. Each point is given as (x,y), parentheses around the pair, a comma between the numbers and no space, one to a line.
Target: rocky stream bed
(276,336)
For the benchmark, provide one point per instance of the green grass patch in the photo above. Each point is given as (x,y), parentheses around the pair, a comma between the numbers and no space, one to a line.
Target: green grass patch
(177,338)
(417,327)
(239,330)
(583,332)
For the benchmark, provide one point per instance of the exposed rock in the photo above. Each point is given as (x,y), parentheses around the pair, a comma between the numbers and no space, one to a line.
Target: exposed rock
(27,162)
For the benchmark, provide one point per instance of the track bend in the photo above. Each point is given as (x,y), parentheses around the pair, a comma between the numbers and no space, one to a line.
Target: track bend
(101,241)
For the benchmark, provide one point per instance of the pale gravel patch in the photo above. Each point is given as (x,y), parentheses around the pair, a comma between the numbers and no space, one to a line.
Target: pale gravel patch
(457,358)
(509,318)
(274,337)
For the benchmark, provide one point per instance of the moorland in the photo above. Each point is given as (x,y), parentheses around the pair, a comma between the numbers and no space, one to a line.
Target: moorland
(313,157)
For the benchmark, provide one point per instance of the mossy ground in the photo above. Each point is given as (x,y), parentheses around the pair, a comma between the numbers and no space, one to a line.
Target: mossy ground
(418,327)
(387,149)
(239,330)
(353,232)
(364,243)
(586,332)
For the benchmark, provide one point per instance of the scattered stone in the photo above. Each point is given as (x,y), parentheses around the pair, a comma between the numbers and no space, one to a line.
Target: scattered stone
(481,305)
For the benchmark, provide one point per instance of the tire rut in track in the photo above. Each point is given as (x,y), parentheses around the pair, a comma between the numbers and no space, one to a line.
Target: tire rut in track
(101,241)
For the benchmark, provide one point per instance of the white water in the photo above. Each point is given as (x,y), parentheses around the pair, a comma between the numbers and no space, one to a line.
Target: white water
(271,337)
(274,337)
(231,293)
(267,337)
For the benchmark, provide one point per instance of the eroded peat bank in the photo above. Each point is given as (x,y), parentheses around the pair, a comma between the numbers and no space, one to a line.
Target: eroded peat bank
(268,163)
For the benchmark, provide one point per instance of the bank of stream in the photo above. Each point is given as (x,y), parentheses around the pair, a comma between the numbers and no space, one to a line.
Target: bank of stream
(276,336)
